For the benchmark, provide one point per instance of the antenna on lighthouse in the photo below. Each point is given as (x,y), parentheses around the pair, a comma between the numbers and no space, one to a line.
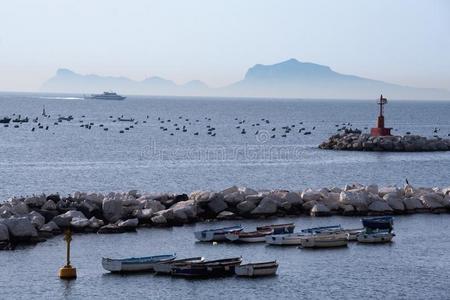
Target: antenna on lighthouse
(380,130)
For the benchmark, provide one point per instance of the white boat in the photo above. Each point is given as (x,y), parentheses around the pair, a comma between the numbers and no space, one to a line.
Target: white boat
(294,239)
(375,237)
(257,269)
(290,239)
(324,241)
(105,96)
(352,234)
(166,267)
(217,234)
(258,236)
(134,264)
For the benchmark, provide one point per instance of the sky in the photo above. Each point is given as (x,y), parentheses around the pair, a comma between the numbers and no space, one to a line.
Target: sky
(404,41)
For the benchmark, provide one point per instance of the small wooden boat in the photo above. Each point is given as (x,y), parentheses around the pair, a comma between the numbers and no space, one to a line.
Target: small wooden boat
(20,120)
(5,120)
(165,267)
(294,239)
(258,236)
(378,222)
(382,236)
(134,264)
(278,228)
(125,119)
(212,268)
(217,234)
(324,241)
(257,269)
(352,234)
(69,118)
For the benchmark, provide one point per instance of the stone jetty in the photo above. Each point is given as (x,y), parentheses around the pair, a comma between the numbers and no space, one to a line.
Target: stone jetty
(354,140)
(34,218)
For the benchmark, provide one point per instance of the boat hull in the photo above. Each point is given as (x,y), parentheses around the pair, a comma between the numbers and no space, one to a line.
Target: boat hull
(323,242)
(374,238)
(258,269)
(216,234)
(224,267)
(144,264)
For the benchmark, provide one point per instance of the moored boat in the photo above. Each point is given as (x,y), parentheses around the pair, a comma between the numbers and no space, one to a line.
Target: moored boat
(378,222)
(134,264)
(5,120)
(20,120)
(257,269)
(278,228)
(122,119)
(165,267)
(324,241)
(294,239)
(380,236)
(212,268)
(69,118)
(352,234)
(217,234)
(258,236)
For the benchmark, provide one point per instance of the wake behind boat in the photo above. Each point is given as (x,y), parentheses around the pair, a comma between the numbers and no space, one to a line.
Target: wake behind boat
(135,264)
(105,96)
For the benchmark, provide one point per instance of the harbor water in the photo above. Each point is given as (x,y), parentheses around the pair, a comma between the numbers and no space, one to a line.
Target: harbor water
(245,148)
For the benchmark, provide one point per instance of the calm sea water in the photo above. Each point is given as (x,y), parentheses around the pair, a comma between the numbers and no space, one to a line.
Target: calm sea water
(67,157)
(415,266)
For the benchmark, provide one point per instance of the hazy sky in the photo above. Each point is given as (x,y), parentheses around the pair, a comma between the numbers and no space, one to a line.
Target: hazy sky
(216,41)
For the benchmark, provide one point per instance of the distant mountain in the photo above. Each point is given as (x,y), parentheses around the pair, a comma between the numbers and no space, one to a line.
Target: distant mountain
(66,81)
(291,79)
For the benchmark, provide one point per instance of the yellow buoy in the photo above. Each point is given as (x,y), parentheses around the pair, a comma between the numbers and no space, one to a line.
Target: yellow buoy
(68,272)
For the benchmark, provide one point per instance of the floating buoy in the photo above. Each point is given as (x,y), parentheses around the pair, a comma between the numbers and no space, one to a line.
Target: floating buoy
(68,272)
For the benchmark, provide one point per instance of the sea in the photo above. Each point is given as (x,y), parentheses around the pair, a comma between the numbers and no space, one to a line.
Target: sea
(184,144)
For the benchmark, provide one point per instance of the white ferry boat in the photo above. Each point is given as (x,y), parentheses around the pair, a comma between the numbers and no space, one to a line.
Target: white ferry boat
(105,96)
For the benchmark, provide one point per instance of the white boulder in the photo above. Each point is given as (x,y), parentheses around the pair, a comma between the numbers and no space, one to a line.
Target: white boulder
(20,227)
(112,209)
(245,207)
(49,227)
(79,223)
(380,207)
(267,206)
(217,205)
(320,210)
(310,195)
(36,219)
(95,223)
(413,203)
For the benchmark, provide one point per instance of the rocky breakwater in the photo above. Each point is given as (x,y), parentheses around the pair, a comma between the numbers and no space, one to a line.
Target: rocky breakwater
(32,219)
(356,141)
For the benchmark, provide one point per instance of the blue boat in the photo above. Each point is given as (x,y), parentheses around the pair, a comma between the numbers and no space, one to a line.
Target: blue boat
(135,264)
(217,234)
(378,223)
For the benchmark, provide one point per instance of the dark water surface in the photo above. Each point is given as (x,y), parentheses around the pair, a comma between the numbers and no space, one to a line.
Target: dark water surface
(66,158)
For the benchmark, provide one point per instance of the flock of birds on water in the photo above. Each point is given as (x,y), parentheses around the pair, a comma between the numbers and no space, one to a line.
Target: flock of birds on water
(183,125)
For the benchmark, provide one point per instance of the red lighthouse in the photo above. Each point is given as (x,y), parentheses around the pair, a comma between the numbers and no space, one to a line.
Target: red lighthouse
(380,130)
